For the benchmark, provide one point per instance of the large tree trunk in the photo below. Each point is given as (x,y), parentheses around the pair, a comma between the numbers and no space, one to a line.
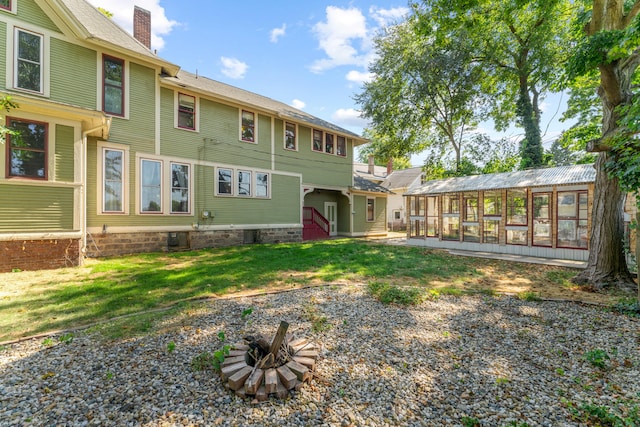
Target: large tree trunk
(607,263)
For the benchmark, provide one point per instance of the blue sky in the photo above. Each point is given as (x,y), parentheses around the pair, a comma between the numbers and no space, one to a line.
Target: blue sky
(310,54)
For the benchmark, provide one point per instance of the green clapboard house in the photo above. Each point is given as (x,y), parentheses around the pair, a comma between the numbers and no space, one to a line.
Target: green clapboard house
(120,151)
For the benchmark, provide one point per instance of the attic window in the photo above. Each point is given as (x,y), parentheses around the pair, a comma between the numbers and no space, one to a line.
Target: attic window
(28,61)
(186,111)
(248,126)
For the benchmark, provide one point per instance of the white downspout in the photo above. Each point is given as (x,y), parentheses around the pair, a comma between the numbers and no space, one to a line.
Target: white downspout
(83,184)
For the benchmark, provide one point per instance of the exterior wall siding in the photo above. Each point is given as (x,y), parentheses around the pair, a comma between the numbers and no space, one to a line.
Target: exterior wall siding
(64,153)
(3,58)
(29,12)
(360,224)
(73,74)
(39,254)
(36,208)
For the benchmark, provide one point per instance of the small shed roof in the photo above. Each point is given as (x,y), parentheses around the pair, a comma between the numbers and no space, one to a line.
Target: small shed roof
(363,184)
(562,175)
(402,178)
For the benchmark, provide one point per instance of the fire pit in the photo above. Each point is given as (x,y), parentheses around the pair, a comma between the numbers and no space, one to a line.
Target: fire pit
(257,368)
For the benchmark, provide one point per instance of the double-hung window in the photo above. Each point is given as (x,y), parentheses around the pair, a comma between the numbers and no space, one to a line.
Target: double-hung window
(225,182)
(317,140)
(328,145)
(27,149)
(244,183)
(186,111)
(262,184)
(113,85)
(290,136)
(248,126)
(180,188)
(151,186)
(29,52)
(113,172)
(5,4)
(341,146)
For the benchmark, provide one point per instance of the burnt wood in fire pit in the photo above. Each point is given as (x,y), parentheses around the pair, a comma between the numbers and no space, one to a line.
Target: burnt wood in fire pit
(258,368)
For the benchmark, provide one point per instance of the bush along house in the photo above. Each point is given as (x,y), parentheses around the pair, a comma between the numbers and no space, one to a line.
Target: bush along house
(540,212)
(120,151)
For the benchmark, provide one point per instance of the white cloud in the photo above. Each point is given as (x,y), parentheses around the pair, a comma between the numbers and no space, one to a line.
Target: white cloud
(276,33)
(296,103)
(359,76)
(337,36)
(386,17)
(233,68)
(349,117)
(123,16)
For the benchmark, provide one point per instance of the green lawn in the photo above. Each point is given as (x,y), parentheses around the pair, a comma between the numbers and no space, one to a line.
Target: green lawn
(36,302)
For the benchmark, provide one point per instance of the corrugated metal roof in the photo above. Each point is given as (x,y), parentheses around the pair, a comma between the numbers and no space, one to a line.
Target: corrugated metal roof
(562,175)
(241,96)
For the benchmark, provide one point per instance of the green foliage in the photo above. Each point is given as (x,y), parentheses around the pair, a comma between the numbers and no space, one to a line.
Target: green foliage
(319,323)
(7,104)
(529,296)
(470,421)
(246,312)
(597,357)
(389,294)
(628,306)
(105,12)
(221,336)
(619,414)
(205,360)
(47,342)
(66,338)
(171,346)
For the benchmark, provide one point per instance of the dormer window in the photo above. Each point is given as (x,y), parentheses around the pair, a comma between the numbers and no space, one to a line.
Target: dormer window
(113,86)
(29,52)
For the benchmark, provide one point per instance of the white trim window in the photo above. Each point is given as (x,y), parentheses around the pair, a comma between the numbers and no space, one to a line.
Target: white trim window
(244,183)
(316,140)
(113,86)
(186,111)
(150,186)
(224,179)
(290,136)
(248,127)
(262,184)
(28,61)
(113,178)
(180,188)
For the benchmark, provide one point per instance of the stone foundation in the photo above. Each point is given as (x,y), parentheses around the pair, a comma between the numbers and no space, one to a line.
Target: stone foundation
(39,254)
(114,244)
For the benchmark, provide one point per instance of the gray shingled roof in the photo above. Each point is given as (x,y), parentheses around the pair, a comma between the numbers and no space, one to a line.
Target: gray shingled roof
(563,175)
(362,170)
(362,184)
(97,28)
(234,94)
(402,178)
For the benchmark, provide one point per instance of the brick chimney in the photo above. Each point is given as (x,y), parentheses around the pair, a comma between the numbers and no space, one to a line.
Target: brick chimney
(389,167)
(142,26)
(371,168)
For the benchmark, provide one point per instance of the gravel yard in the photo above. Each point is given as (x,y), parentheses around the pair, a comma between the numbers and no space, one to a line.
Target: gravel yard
(496,360)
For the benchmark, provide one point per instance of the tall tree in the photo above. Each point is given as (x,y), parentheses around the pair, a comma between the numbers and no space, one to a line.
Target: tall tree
(610,45)
(521,45)
(426,89)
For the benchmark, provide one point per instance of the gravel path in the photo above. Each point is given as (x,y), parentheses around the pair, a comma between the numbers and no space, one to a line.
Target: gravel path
(502,361)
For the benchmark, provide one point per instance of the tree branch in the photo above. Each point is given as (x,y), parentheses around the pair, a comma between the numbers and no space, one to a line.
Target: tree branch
(635,9)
